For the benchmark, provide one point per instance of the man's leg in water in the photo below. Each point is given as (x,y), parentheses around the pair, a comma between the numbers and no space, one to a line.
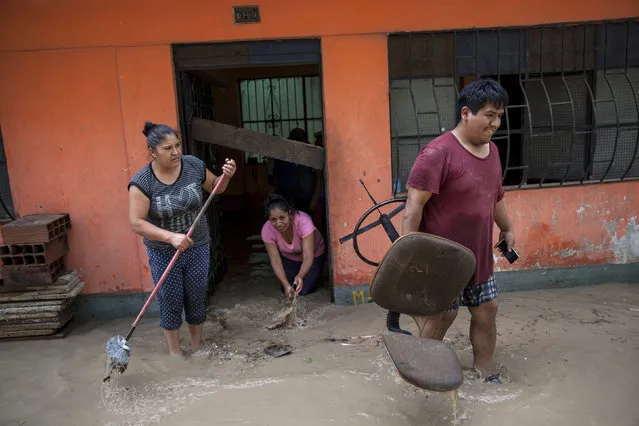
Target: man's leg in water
(481,303)
(437,325)
(483,336)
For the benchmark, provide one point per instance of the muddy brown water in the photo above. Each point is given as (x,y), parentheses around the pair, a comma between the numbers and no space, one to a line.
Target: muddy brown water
(569,358)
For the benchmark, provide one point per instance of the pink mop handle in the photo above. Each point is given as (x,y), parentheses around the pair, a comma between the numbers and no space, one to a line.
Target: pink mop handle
(178,252)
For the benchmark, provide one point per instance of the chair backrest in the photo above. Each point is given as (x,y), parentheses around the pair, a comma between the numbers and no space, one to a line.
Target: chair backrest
(421,274)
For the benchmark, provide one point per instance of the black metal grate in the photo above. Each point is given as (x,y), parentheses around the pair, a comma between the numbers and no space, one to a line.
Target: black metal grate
(196,100)
(275,106)
(573,116)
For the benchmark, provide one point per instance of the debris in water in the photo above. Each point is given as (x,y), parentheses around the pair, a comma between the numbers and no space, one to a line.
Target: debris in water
(277,351)
(221,319)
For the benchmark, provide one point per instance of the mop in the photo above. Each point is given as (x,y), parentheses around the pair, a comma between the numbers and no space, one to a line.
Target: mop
(117,347)
(286,316)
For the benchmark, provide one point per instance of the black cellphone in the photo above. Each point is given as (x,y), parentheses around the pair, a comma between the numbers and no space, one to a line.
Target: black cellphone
(511,255)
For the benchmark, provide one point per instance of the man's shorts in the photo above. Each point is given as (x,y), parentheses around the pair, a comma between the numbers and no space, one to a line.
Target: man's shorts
(474,295)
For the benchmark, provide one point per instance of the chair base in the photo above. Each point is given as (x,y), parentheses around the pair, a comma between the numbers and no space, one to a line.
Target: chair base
(425,363)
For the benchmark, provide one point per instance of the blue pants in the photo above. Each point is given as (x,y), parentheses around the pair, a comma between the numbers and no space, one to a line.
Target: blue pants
(292,268)
(185,286)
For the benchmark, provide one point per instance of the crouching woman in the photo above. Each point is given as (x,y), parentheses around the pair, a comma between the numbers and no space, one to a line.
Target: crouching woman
(295,247)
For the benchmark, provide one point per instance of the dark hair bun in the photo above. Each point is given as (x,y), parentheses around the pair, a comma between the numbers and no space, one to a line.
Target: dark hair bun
(274,197)
(147,128)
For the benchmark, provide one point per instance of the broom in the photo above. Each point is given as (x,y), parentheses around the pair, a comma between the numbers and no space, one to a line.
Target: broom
(117,348)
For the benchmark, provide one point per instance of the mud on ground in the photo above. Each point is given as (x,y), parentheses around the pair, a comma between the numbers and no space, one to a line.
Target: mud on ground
(570,357)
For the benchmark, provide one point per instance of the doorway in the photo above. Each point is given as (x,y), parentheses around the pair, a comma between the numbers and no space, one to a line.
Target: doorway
(270,87)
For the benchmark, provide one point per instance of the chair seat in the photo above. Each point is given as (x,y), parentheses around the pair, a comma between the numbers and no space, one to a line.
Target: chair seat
(426,363)
(421,274)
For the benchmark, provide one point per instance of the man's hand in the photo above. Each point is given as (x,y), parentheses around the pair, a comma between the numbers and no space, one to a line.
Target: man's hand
(509,238)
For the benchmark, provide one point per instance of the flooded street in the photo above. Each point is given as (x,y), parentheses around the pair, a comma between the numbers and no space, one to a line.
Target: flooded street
(569,358)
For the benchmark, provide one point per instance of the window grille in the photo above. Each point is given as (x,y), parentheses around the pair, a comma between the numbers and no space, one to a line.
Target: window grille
(573,116)
(275,106)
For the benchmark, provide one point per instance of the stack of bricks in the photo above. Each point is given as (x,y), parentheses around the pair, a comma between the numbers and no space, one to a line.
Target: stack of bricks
(38,294)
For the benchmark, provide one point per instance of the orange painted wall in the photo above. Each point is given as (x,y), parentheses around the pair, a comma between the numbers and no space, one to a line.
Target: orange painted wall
(62,123)
(357,123)
(147,92)
(76,23)
(575,226)
(72,121)
(78,78)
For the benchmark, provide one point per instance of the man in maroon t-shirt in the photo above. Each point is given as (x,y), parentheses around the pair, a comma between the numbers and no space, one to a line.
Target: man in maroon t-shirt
(455,191)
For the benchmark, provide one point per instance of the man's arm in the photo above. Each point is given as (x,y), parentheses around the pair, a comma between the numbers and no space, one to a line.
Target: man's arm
(505,225)
(414,209)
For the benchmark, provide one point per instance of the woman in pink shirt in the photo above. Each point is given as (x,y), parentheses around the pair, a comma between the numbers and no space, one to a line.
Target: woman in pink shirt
(294,246)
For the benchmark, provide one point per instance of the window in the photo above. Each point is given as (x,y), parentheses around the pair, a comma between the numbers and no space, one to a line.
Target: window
(573,115)
(275,106)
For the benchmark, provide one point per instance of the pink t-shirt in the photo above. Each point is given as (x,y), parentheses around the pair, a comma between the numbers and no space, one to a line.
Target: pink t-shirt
(302,226)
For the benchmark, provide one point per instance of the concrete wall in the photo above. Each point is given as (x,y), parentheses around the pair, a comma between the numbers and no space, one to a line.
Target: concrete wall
(78,79)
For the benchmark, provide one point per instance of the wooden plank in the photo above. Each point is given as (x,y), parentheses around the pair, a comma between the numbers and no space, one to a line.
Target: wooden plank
(36,318)
(16,308)
(36,295)
(23,333)
(25,304)
(60,287)
(9,318)
(259,143)
(53,334)
(48,325)
(49,319)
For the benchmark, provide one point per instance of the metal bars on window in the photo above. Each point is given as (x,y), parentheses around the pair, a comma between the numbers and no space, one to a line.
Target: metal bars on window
(573,116)
(275,106)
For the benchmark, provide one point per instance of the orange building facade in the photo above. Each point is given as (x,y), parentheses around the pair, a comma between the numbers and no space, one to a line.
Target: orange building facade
(78,79)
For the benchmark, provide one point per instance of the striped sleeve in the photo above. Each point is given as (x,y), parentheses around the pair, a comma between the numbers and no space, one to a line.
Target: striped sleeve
(198,165)
(142,181)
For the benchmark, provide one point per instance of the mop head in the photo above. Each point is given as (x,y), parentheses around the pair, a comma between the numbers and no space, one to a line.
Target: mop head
(118,354)
(285,317)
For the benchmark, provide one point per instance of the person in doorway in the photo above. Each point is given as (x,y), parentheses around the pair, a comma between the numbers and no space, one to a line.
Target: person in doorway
(165,196)
(307,190)
(294,246)
(455,191)
(299,184)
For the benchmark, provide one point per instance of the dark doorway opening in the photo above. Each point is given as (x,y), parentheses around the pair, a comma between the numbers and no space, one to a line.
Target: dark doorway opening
(271,87)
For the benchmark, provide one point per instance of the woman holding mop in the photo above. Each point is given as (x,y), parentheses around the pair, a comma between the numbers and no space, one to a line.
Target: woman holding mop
(165,197)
